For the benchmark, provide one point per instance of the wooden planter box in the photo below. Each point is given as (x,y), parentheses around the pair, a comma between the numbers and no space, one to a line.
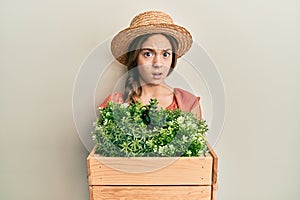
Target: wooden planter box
(152,177)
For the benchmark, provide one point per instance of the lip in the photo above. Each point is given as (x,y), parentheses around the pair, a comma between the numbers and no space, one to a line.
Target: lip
(157,75)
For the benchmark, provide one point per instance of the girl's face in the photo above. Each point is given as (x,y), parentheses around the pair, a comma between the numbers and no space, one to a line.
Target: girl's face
(154,60)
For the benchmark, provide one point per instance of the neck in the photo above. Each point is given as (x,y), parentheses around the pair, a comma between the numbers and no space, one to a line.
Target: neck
(156,90)
(162,92)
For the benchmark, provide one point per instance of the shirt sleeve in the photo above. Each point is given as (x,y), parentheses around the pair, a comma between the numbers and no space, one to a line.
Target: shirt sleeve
(116,98)
(188,102)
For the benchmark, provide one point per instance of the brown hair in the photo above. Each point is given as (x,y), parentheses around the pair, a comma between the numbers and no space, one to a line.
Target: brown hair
(133,89)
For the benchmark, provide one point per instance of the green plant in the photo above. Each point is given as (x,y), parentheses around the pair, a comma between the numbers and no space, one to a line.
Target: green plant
(144,130)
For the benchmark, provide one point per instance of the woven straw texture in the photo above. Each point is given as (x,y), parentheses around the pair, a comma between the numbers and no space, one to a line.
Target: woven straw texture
(148,23)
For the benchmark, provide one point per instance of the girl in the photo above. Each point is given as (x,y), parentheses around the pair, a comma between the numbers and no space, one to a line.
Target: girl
(150,48)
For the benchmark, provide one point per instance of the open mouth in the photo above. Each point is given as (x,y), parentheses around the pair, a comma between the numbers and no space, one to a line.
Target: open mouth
(157,75)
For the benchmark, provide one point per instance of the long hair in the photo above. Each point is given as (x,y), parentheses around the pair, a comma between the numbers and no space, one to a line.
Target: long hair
(133,89)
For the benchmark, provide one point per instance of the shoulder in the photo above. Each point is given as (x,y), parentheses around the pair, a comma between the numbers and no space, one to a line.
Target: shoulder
(186,100)
(183,93)
(115,97)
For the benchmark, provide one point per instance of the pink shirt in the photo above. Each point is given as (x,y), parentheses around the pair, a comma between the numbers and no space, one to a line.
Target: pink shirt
(183,100)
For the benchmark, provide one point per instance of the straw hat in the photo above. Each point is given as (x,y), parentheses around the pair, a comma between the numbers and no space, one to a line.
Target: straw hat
(147,23)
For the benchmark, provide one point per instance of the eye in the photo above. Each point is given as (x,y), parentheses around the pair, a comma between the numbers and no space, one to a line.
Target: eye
(147,54)
(166,54)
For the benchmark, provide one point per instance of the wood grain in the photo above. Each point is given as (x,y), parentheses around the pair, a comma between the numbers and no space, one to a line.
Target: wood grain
(214,182)
(151,192)
(174,171)
(153,177)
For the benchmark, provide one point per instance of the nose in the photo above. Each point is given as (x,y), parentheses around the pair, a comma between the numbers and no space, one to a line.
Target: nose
(157,61)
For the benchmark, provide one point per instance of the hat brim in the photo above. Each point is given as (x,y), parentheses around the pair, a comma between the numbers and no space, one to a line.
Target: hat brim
(121,42)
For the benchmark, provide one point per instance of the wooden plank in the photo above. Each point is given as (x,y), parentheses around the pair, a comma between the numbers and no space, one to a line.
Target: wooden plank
(151,192)
(91,193)
(214,182)
(89,158)
(175,171)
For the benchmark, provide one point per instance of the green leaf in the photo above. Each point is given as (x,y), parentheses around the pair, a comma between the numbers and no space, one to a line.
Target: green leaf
(145,130)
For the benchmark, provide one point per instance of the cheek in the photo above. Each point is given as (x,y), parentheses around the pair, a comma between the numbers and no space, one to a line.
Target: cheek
(143,70)
(142,61)
(168,63)
(139,61)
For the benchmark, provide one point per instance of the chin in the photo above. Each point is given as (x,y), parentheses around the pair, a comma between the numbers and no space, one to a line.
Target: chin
(154,83)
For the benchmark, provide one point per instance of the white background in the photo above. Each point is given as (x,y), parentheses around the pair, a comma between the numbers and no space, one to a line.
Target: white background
(253,43)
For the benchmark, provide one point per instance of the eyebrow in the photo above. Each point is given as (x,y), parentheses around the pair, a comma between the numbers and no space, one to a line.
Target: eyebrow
(149,49)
